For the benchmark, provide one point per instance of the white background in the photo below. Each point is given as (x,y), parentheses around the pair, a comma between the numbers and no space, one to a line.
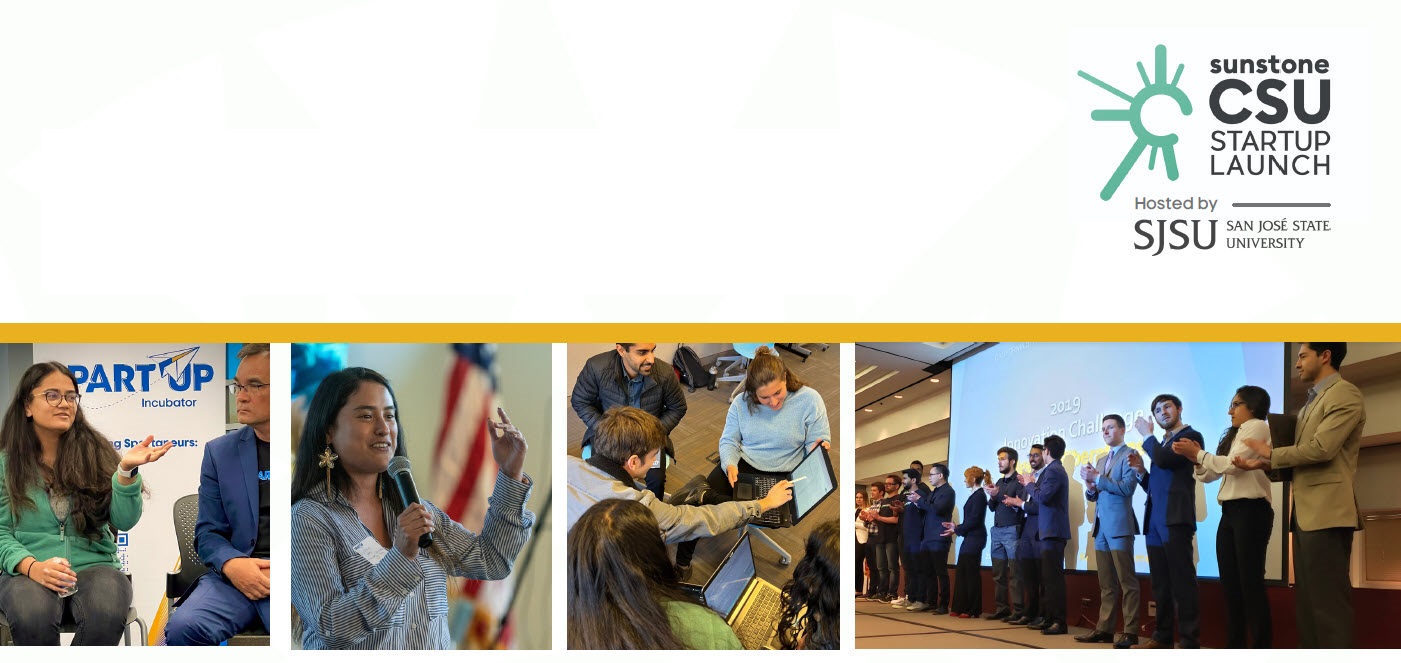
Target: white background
(540,161)
(1094,150)
(333,160)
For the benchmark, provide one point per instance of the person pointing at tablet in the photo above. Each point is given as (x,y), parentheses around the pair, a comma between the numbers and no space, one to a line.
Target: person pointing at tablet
(770,427)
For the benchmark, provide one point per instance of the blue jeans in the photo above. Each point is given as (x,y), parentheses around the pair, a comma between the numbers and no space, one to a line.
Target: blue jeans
(888,563)
(1004,542)
(1007,590)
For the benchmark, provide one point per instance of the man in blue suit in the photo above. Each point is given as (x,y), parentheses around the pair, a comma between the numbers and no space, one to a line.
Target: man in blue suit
(1170,525)
(1029,549)
(1052,497)
(1110,485)
(232,533)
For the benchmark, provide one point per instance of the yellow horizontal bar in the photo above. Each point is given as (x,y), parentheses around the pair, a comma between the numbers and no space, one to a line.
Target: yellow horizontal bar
(690,332)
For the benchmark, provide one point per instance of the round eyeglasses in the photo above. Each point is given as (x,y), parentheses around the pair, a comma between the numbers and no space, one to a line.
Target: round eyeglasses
(53,397)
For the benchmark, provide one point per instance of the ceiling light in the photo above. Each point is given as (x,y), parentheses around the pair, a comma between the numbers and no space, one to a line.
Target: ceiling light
(869,410)
(898,396)
(933,379)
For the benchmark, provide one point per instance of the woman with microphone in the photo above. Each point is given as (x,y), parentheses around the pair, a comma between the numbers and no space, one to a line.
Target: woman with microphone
(64,493)
(360,580)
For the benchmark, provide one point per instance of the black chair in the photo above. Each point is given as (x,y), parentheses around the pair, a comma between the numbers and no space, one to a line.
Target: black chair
(186,513)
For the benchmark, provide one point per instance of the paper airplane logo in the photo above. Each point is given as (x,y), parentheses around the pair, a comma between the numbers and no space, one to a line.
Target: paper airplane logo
(176,362)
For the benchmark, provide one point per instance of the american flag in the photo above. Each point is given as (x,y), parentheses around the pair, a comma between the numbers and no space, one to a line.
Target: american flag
(464,473)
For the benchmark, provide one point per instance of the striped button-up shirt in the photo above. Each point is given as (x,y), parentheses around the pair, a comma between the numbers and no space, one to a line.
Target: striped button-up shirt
(346,602)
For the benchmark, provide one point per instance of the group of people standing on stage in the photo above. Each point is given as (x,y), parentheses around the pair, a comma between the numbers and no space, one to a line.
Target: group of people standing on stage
(907,524)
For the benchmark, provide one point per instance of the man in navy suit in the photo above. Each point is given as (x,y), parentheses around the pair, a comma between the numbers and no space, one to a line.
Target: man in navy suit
(1029,549)
(1170,525)
(1110,484)
(232,533)
(1051,492)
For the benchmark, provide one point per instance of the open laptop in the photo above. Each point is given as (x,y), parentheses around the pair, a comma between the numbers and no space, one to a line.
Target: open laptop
(749,604)
(813,480)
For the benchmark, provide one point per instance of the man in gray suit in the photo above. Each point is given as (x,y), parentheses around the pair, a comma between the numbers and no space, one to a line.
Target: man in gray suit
(1110,484)
(1324,458)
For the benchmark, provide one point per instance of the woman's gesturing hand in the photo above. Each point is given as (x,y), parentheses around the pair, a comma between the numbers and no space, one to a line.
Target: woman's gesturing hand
(143,453)
(508,446)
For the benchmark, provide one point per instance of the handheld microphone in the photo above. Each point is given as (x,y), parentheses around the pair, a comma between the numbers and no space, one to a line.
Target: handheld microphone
(403,481)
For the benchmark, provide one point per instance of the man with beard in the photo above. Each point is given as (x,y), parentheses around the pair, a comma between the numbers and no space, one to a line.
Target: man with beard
(1170,523)
(912,530)
(1051,492)
(888,517)
(631,375)
(1006,528)
(1324,458)
(1029,548)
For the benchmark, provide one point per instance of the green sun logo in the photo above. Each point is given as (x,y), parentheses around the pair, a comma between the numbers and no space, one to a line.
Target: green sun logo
(1134,116)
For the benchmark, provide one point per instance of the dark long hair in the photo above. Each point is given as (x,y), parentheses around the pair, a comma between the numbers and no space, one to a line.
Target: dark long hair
(1256,400)
(811,598)
(309,478)
(766,367)
(619,577)
(84,467)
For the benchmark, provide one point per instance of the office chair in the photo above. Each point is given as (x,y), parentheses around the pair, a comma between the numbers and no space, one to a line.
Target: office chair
(737,366)
(758,533)
(186,514)
(798,349)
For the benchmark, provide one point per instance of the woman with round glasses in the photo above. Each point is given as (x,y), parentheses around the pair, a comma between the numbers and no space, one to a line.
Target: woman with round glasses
(1247,519)
(66,494)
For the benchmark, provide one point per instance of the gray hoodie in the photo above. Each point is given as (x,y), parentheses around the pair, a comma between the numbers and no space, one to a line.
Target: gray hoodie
(589,485)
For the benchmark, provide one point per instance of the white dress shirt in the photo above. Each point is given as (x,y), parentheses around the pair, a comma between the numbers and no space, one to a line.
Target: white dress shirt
(1239,484)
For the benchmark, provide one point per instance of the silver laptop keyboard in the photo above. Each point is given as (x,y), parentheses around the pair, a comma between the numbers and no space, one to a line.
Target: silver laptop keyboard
(760,621)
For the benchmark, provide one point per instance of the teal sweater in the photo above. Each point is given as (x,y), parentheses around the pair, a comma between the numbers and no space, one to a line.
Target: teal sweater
(35,532)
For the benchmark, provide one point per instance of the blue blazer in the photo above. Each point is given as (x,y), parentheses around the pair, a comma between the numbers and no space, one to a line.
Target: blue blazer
(973,529)
(1167,483)
(937,508)
(1052,496)
(1027,545)
(1114,497)
(228,499)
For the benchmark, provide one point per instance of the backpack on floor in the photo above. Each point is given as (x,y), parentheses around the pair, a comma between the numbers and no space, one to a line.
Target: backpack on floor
(690,371)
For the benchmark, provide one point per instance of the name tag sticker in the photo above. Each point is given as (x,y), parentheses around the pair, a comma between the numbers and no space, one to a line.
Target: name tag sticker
(371,550)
